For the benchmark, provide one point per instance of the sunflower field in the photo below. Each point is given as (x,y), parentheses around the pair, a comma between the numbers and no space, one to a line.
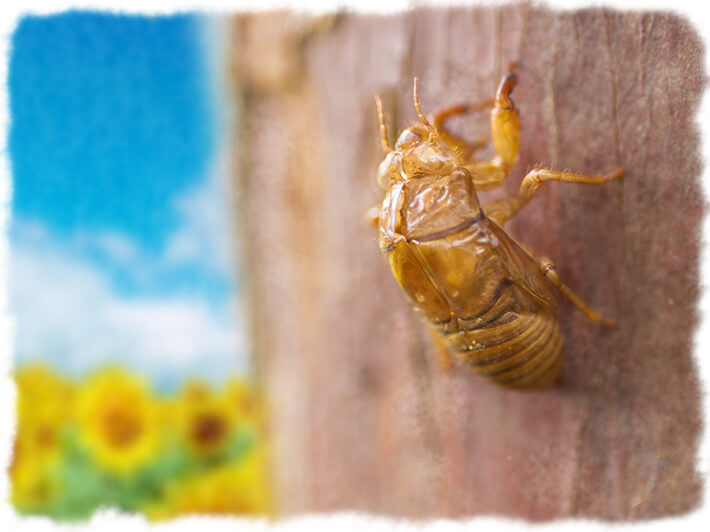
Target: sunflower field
(108,440)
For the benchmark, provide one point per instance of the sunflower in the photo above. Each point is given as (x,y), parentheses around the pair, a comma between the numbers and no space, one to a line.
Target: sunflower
(35,483)
(206,420)
(44,409)
(118,421)
(233,489)
(245,400)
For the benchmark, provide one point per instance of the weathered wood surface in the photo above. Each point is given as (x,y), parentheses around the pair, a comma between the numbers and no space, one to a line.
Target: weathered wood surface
(363,417)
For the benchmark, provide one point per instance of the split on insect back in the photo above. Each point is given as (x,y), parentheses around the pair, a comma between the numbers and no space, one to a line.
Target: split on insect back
(488,300)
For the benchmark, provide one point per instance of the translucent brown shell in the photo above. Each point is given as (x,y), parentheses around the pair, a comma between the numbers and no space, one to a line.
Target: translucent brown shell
(487,299)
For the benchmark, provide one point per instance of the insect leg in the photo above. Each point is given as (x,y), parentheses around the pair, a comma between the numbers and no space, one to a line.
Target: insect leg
(465,148)
(537,177)
(442,351)
(548,269)
(504,209)
(487,174)
(505,134)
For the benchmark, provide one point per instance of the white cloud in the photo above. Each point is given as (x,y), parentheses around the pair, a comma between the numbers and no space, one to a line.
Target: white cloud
(204,237)
(183,330)
(116,246)
(205,233)
(67,313)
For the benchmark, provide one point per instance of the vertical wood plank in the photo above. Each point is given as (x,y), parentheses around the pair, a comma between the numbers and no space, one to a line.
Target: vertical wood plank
(362,417)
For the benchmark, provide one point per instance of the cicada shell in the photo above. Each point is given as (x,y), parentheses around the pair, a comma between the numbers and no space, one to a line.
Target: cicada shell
(488,300)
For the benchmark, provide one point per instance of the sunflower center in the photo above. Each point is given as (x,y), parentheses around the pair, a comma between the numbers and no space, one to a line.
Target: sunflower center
(120,427)
(45,437)
(208,429)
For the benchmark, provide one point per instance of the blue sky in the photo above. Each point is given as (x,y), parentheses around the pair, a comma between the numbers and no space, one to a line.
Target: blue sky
(110,115)
(120,218)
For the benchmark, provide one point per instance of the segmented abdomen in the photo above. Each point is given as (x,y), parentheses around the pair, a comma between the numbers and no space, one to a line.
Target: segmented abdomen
(487,299)
(516,350)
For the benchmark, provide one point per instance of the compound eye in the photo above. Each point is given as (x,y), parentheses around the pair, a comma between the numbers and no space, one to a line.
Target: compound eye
(407,138)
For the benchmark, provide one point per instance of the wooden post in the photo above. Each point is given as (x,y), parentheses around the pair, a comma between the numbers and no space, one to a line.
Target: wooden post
(362,416)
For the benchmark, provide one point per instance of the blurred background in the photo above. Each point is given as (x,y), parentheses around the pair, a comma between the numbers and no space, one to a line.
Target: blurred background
(132,371)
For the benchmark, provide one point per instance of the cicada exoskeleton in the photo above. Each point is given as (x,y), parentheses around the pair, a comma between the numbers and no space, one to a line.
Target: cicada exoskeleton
(489,300)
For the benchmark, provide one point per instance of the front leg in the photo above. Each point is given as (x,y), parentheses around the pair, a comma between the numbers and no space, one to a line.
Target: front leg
(505,134)
(465,148)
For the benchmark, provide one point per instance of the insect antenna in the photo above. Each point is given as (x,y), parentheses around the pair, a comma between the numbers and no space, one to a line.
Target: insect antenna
(383,127)
(418,107)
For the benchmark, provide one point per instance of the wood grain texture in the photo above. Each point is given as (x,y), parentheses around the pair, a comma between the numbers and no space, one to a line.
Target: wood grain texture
(362,416)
